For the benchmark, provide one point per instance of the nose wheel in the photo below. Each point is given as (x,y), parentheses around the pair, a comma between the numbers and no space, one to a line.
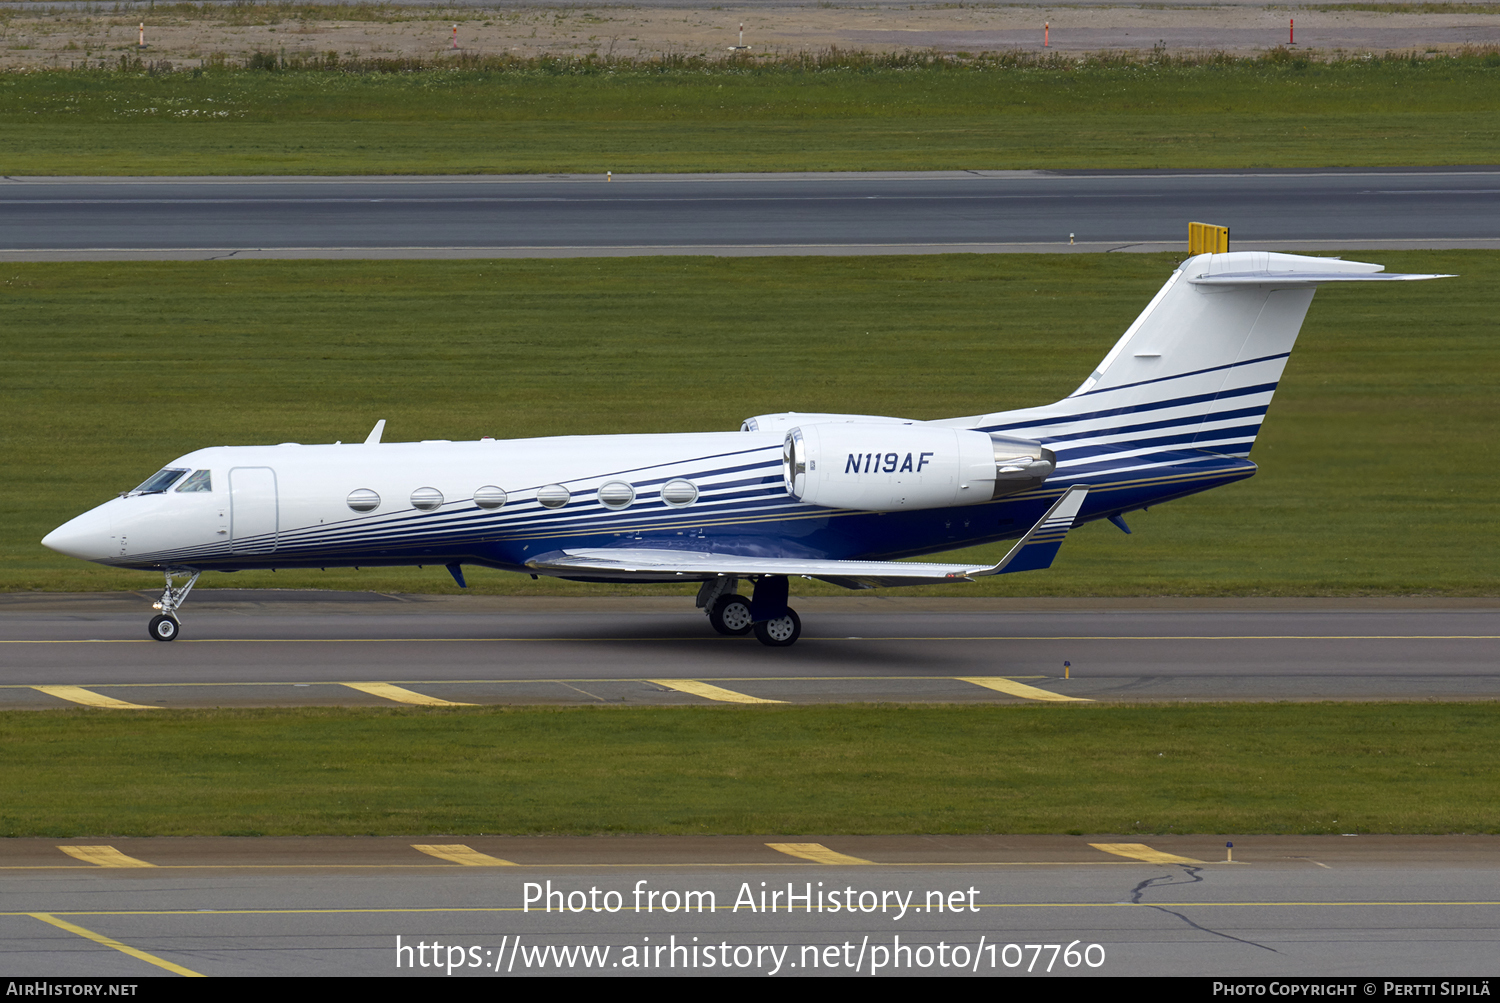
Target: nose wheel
(163,628)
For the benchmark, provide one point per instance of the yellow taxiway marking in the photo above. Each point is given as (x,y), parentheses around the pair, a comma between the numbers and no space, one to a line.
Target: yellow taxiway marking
(100,938)
(458,853)
(709,691)
(1140,851)
(509,682)
(817,853)
(77,694)
(103,856)
(608,866)
(1015,689)
(401,694)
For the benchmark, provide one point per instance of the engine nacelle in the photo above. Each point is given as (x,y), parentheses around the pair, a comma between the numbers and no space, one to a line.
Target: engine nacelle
(891,468)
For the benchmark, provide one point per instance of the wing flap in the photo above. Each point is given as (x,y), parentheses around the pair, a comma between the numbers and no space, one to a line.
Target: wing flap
(667,564)
(1034,551)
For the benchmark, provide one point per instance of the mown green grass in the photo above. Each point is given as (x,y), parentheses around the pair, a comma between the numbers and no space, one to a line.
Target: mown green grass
(282,11)
(839,112)
(1375,459)
(1277,768)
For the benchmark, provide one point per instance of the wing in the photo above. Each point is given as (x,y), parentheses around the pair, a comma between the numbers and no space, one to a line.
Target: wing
(1033,552)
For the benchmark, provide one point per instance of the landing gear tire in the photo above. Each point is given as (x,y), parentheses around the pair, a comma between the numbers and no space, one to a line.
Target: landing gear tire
(163,628)
(780,633)
(731,615)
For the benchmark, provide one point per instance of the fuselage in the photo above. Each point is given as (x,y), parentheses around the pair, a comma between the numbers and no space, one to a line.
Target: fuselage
(500,503)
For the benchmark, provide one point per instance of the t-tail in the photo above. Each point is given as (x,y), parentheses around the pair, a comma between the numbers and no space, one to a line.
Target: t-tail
(1189,383)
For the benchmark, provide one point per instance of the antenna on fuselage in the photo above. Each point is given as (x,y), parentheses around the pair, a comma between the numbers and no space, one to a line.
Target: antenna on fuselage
(373,439)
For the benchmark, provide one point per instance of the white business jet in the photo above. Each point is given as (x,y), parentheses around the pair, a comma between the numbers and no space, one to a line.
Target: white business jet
(1172,410)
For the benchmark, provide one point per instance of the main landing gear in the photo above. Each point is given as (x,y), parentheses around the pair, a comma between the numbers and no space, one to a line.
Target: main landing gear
(773,622)
(731,615)
(165,627)
(781,632)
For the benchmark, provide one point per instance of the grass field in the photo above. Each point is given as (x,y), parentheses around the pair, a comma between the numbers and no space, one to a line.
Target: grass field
(1270,768)
(835,112)
(1374,479)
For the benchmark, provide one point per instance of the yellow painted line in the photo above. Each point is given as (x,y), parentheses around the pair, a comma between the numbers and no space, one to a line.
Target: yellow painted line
(1015,689)
(458,853)
(402,695)
(709,863)
(708,691)
(1140,851)
(806,637)
(103,856)
(1175,637)
(77,694)
(598,866)
(405,910)
(100,938)
(817,853)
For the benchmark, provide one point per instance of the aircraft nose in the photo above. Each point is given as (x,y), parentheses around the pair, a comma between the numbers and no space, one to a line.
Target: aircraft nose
(87,537)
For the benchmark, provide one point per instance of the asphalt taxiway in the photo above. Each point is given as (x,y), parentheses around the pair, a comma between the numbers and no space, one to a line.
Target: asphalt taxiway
(163,218)
(1053,906)
(111,907)
(264,648)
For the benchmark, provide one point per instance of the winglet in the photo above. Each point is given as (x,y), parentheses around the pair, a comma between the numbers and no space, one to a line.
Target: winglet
(1039,546)
(373,439)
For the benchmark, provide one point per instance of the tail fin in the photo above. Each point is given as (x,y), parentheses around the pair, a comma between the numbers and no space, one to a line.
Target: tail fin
(1197,369)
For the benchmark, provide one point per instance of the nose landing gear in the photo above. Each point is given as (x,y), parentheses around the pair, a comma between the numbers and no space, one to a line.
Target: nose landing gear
(165,627)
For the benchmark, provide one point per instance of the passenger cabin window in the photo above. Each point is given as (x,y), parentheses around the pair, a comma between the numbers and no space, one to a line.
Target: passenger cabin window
(159,482)
(201,480)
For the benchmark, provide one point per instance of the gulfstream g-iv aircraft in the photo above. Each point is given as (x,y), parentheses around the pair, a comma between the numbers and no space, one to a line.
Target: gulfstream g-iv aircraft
(1172,410)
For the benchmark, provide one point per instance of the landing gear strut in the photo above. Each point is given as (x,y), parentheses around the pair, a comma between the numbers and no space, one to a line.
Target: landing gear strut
(777,625)
(165,626)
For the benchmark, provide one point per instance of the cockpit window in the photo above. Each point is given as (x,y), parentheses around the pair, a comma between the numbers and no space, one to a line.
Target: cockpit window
(201,480)
(159,481)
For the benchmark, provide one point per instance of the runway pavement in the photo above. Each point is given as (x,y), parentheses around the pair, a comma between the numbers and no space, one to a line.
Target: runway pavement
(243,648)
(744,214)
(1045,906)
(1353,906)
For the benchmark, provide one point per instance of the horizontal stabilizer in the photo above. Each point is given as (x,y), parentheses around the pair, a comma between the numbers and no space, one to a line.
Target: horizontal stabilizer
(1034,551)
(1264,268)
(1304,278)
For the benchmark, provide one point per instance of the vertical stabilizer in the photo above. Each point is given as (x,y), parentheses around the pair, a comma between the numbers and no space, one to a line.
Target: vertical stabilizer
(1206,359)
(1196,371)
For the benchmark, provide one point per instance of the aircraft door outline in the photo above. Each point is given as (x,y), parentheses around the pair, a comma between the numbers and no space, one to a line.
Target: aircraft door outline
(254,512)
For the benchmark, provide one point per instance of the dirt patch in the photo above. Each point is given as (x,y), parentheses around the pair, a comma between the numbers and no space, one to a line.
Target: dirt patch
(190,37)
